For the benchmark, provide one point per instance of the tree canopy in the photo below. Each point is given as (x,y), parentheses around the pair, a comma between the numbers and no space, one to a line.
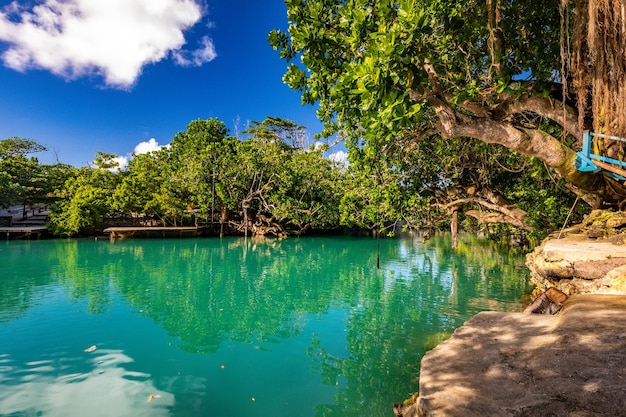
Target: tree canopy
(454,112)
(266,184)
(23,180)
(398,74)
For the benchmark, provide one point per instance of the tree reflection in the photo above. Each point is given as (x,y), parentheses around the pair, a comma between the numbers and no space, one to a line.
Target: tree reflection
(431,290)
(23,272)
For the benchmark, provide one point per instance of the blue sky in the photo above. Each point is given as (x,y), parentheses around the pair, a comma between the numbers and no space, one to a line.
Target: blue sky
(81,76)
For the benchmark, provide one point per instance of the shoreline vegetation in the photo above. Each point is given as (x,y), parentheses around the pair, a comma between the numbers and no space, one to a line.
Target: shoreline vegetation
(263,187)
(271,182)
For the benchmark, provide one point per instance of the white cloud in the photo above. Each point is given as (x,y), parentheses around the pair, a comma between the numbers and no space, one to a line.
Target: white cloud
(147,147)
(122,163)
(104,388)
(206,53)
(111,38)
(340,159)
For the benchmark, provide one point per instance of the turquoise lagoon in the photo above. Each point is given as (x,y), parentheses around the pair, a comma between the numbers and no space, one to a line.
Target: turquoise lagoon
(235,327)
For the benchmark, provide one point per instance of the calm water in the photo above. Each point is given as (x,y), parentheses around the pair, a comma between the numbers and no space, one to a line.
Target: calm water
(297,327)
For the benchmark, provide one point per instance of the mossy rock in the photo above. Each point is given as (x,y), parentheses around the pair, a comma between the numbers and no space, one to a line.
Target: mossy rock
(601,224)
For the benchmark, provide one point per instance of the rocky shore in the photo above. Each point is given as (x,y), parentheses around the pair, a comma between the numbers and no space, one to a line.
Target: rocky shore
(587,259)
(516,364)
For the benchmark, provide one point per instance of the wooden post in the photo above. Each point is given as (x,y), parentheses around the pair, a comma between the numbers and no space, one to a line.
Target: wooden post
(223,219)
(454,228)
(245,219)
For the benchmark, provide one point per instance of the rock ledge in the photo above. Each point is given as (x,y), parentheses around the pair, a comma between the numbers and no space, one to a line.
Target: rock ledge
(590,259)
(514,364)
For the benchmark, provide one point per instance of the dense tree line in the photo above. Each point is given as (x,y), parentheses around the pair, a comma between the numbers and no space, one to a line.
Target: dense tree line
(205,177)
(271,184)
(23,180)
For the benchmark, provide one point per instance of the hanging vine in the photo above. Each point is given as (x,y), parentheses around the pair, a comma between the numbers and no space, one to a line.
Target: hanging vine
(597,62)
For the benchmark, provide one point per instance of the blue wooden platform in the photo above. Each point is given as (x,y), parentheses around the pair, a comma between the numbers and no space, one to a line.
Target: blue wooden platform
(586,161)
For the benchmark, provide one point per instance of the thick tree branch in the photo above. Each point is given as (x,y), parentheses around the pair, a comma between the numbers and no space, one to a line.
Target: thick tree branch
(565,116)
(530,142)
(508,210)
(495,126)
(490,217)
(504,214)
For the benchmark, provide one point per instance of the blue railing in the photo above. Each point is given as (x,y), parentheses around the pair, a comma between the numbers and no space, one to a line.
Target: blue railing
(586,161)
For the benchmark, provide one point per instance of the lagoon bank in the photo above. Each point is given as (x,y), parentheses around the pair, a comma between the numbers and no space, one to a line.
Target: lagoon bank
(516,364)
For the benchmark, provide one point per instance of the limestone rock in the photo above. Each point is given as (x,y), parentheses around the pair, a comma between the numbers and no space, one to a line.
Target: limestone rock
(604,223)
(514,364)
(576,264)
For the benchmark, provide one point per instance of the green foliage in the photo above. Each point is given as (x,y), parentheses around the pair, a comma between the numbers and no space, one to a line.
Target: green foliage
(203,173)
(372,198)
(16,147)
(106,160)
(547,200)
(307,195)
(284,189)
(359,59)
(140,189)
(19,180)
(199,134)
(84,201)
(189,166)
(279,130)
(23,180)
(382,74)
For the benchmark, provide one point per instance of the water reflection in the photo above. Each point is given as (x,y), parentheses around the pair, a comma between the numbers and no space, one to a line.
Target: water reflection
(280,315)
(62,386)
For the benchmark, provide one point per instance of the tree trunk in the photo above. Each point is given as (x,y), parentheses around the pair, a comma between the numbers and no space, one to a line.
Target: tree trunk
(224,214)
(495,42)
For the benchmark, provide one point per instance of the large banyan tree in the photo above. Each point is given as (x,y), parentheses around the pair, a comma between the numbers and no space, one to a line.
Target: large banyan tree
(529,76)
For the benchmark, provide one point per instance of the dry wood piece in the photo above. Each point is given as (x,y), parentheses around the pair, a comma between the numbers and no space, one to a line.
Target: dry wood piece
(549,302)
